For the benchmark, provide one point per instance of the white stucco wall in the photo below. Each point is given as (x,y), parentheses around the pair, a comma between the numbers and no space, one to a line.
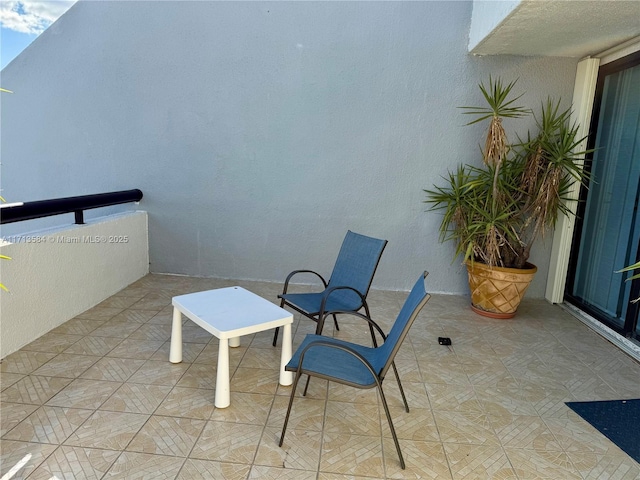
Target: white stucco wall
(56,274)
(260,132)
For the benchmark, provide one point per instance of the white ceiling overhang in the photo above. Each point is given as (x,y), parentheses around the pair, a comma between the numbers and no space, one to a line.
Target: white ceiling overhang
(558,28)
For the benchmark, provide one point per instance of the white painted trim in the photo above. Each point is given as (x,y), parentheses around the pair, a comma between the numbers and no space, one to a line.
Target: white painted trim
(616,53)
(583,97)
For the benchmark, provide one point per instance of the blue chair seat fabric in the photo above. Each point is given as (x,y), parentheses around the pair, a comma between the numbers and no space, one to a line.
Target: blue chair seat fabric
(330,362)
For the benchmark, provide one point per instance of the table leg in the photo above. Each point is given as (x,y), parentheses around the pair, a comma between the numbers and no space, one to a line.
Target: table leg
(175,351)
(234,342)
(222,396)
(286,378)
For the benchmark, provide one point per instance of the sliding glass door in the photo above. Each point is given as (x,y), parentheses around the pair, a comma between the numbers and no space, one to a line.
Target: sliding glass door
(608,227)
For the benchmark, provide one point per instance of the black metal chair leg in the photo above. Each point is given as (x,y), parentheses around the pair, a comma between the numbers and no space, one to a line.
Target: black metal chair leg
(286,419)
(393,430)
(335,322)
(404,399)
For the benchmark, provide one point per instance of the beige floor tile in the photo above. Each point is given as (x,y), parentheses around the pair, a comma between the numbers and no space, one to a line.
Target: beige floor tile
(465,427)
(254,380)
(352,418)
(136,398)
(338,476)
(514,397)
(452,397)
(207,470)
(19,459)
(75,462)
(443,371)
(192,333)
(100,313)
(108,430)
(527,432)
(261,472)
(415,392)
(142,466)
(92,345)
(496,398)
(307,414)
(252,408)
(34,389)
(52,342)
(78,326)
(576,435)
(167,436)
(7,379)
(151,302)
(49,425)
(346,393)
(188,403)
(261,357)
(612,465)
(113,369)
(25,362)
(418,424)
(423,460)
(201,375)
(160,333)
(300,449)
(476,461)
(159,373)
(118,302)
(84,393)
(134,348)
(533,464)
(228,442)
(66,365)
(190,352)
(116,329)
(209,355)
(352,455)
(135,316)
(11,414)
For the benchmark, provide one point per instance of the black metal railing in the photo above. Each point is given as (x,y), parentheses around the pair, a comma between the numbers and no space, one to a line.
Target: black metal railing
(18,212)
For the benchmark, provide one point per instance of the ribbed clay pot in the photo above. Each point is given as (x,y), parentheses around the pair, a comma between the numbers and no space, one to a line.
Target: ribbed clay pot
(496,292)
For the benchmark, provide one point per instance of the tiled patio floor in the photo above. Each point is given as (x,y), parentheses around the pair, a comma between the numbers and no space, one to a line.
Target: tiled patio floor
(97,398)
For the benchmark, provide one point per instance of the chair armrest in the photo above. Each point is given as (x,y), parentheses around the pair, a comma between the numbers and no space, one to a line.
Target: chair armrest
(295,272)
(329,291)
(359,315)
(351,351)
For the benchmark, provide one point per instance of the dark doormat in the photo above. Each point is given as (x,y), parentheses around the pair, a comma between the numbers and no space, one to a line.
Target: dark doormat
(618,420)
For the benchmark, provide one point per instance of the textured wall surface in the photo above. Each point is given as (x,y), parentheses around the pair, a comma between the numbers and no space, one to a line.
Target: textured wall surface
(57,274)
(260,132)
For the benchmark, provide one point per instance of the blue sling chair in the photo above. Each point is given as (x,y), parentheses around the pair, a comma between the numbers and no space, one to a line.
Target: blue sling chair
(348,285)
(356,365)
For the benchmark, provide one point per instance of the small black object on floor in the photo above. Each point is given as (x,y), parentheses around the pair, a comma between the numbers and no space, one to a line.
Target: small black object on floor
(618,420)
(444,340)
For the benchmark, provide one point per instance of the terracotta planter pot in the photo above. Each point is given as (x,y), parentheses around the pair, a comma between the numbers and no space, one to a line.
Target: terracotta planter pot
(496,292)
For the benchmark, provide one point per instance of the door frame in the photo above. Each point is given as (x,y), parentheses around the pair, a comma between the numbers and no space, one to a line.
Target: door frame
(583,99)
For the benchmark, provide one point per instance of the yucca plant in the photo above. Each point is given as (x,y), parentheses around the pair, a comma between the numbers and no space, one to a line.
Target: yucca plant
(496,211)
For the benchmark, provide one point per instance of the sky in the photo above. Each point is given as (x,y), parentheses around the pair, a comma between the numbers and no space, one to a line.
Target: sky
(22,21)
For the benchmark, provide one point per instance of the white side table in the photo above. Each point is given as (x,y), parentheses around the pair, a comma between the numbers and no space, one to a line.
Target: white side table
(229,313)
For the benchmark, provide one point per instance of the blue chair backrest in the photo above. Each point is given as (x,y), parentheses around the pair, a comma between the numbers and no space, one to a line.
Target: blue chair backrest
(417,298)
(356,263)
